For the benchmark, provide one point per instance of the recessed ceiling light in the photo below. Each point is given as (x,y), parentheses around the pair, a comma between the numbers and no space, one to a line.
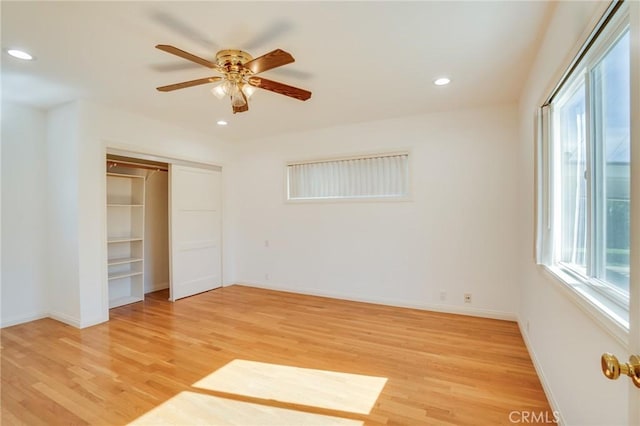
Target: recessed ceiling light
(442,81)
(221,123)
(20,54)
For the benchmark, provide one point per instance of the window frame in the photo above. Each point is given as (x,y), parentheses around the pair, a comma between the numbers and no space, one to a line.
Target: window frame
(555,159)
(602,300)
(621,25)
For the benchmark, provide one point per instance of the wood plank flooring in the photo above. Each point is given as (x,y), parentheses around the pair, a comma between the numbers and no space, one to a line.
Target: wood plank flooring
(142,366)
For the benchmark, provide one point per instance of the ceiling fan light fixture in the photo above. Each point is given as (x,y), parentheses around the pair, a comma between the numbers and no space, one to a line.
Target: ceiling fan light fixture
(221,90)
(248,90)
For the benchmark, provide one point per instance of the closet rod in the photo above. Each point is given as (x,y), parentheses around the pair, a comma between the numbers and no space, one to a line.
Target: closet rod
(131,164)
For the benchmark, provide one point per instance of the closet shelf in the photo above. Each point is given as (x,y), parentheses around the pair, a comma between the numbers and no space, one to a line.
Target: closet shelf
(119,275)
(123,260)
(123,239)
(121,301)
(125,176)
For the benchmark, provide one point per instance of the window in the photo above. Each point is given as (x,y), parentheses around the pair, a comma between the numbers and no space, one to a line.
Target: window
(586,183)
(375,176)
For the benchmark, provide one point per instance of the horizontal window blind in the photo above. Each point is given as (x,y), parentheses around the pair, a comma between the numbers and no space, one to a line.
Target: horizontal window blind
(384,176)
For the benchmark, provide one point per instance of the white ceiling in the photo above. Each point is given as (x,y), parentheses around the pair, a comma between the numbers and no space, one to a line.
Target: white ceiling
(362,60)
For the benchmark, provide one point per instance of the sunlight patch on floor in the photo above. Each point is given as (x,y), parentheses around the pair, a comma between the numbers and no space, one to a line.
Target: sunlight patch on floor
(192,408)
(353,393)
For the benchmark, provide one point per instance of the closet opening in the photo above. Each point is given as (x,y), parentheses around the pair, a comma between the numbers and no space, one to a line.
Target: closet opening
(137,228)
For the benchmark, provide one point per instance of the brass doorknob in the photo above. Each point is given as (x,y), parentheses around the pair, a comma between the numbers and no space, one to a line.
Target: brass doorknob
(612,368)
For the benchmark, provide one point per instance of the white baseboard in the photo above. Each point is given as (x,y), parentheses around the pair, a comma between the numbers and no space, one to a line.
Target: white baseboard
(22,319)
(53,315)
(64,318)
(543,380)
(67,319)
(157,287)
(447,309)
(94,321)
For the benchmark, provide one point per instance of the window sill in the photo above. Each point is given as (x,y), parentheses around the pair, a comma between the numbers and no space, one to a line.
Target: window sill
(607,314)
(394,199)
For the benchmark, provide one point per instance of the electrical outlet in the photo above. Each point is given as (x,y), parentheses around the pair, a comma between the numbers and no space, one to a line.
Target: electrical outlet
(443,295)
(266,277)
(467,298)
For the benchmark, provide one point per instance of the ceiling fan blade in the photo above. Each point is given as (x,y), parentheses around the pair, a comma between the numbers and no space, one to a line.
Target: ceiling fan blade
(182,28)
(174,66)
(273,59)
(186,55)
(293,73)
(184,84)
(280,88)
(269,34)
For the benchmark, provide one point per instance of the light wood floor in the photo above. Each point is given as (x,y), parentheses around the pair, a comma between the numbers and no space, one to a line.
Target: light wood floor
(143,364)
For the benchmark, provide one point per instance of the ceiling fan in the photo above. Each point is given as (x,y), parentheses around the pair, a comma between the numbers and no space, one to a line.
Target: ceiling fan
(238,78)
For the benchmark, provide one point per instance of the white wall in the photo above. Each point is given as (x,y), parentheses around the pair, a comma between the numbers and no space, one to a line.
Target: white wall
(565,343)
(24,218)
(63,292)
(456,235)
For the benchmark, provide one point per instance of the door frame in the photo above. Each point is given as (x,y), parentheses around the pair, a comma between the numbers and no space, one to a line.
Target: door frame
(634,278)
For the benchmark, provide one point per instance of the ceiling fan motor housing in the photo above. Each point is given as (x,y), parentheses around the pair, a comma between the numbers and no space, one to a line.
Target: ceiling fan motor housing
(232,61)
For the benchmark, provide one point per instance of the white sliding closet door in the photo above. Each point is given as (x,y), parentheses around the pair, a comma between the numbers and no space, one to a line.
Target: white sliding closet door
(196,232)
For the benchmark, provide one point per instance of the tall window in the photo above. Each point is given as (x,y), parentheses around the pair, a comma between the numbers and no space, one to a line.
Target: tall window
(589,169)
